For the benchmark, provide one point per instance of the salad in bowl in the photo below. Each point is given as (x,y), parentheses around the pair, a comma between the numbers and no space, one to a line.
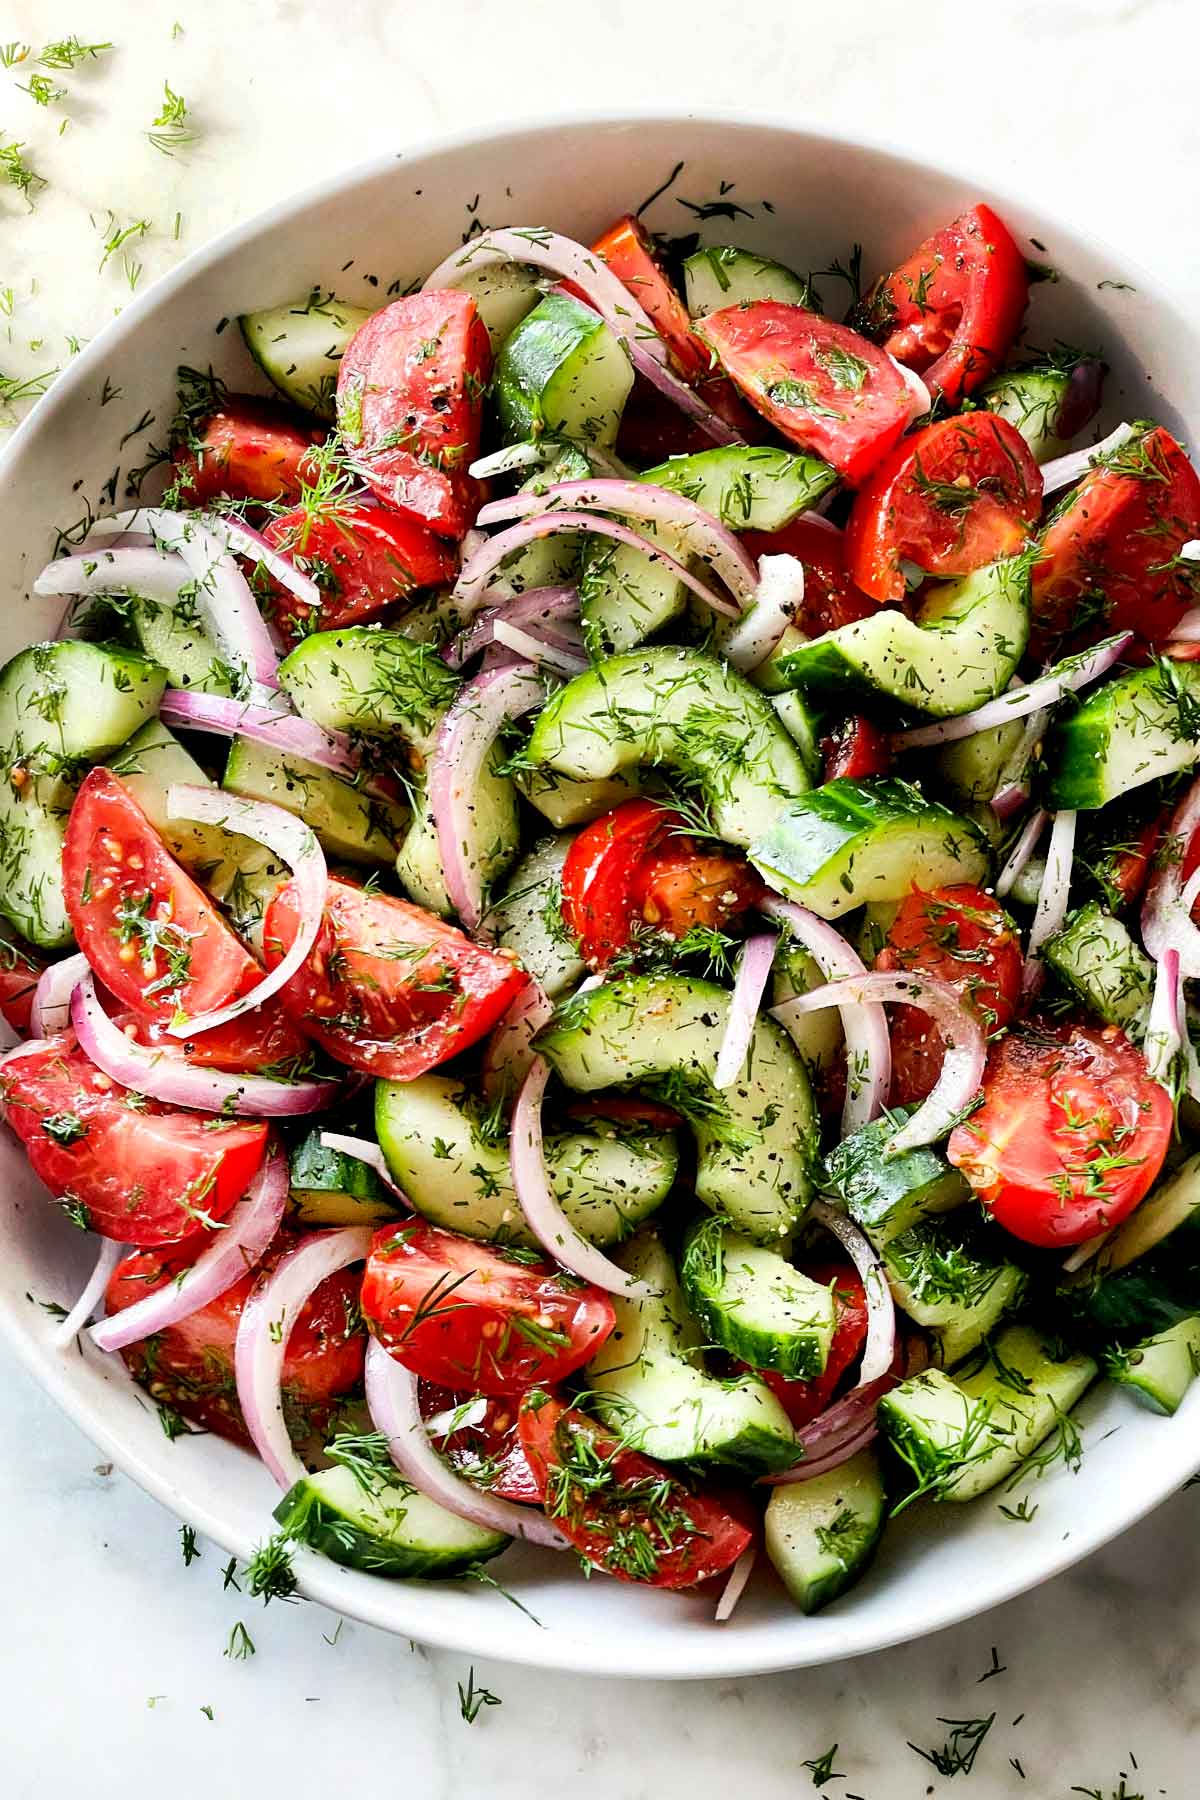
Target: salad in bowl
(598,900)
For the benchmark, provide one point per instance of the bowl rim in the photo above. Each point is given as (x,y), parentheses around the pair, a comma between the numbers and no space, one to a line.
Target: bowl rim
(397,1607)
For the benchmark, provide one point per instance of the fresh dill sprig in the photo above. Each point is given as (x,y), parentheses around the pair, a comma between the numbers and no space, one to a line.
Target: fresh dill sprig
(172,130)
(188,1545)
(957,1755)
(15,389)
(14,53)
(472,1699)
(269,1573)
(116,235)
(821,1767)
(240,1645)
(42,91)
(67,52)
(20,174)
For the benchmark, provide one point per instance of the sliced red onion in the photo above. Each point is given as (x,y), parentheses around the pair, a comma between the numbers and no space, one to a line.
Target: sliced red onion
(547,648)
(457,1418)
(371,1154)
(477,573)
(1083,1253)
(868,1045)
(689,402)
(543,1215)
(286,837)
(564,258)
(51,1009)
(1064,470)
(165,1075)
(1013,792)
(395,1410)
(1186,632)
(879,1351)
(704,533)
(962,1066)
(837,1453)
(508,1055)
(231,1252)
(533,607)
(777,602)
(735,1585)
(1167,909)
(66,1333)
(753,973)
(1164,1027)
(268,1319)
(150,573)
(1067,677)
(464,738)
(920,399)
(1190,551)
(283,731)
(245,541)
(1054,898)
(1021,852)
(510,458)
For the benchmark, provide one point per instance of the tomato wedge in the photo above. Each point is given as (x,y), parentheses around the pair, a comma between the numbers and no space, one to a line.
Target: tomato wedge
(1071,1134)
(856,750)
(959,494)
(19,971)
(964,937)
(821,385)
(1110,557)
(249,449)
(264,1041)
(189,1366)
(121,1164)
(474,1318)
(626,1514)
(951,311)
(804,1401)
(152,935)
(830,596)
(410,405)
(362,558)
(388,988)
(488,1449)
(629,252)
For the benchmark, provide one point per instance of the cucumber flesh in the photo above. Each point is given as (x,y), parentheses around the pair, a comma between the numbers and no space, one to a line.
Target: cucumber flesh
(299,347)
(952,1277)
(1146,1278)
(503,294)
(1031,400)
(1097,958)
(528,918)
(565,802)
(821,1534)
(818,1036)
(1160,1370)
(886,1195)
(626,596)
(174,637)
(329,1188)
(721,275)
(366,679)
(748,487)
(1127,731)
(754,1304)
(492,840)
(562,372)
(388,1529)
(348,823)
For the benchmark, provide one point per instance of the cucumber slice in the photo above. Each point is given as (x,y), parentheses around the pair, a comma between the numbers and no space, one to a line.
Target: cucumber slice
(959,651)
(298,348)
(350,824)
(431,1132)
(370,680)
(887,1195)
(821,1534)
(755,1140)
(549,561)
(1098,959)
(528,918)
(962,1436)
(562,372)
(503,294)
(818,1036)
(330,1188)
(1031,400)
(1147,1277)
(491,842)
(688,712)
(393,1530)
(1128,731)
(721,275)
(648,1381)
(753,1303)
(1160,1370)
(565,802)
(799,721)
(625,596)
(953,1278)
(973,766)
(855,841)
(174,638)
(749,487)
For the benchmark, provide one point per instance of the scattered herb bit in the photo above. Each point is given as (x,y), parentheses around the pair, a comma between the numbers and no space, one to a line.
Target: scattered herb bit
(171,130)
(116,236)
(174,1424)
(471,1698)
(336,1633)
(207,1711)
(11,54)
(68,51)
(42,91)
(229,1577)
(240,1645)
(15,390)
(957,1755)
(20,174)
(1121,287)
(188,1545)
(269,1573)
(997,1668)
(1021,1514)
(821,1767)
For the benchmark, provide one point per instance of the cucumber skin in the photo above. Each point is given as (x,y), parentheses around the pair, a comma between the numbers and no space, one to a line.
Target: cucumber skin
(306,1517)
(798,1357)
(1159,1372)
(1087,769)
(535,359)
(738,484)
(859,1479)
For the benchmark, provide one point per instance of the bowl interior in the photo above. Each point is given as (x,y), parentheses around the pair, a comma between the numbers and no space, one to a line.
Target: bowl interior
(368,235)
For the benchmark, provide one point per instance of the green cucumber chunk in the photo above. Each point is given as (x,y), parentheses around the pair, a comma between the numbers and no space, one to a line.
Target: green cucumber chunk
(1127,731)
(818,1036)
(349,823)
(953,1277)
(752,1302)
(503,293)
(1160,1370)
(368,679)
(749,487)
(492,838)
(821,1534)
(1097,958)
(562,372)
(1031,400)
(330,1188)
(973,766)
(528,918)
(627,595)
(721,275)
(887,1195)
(564,802)
(174,638)
(388,1530)
(299,347)
(1146,1278)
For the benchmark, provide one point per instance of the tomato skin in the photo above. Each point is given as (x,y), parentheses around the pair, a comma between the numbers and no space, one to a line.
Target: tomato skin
(141,1172)
(792,364)
(494,1444)
(1053,1095)
(804,1401)
(20,968)
(830,596)
(366,995)
(706,1531)
(263,1039)
(895,518)
(1110,558)
(116,869)
(1123,874)
(628,250)
(953,308)
(189,1366)
(410,405)
(963,936)
(464,1315)
(250,449)
(363,558)
(679,887)
(857,750)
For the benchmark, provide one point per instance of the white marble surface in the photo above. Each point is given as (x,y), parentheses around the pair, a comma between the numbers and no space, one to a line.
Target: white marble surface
(110,1648)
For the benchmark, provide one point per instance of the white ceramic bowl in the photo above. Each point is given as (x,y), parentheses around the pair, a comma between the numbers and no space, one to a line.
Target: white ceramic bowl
(807,198)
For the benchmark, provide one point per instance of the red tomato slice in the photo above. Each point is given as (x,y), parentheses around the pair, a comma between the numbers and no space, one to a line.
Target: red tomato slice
(124,1166)
(804,1401)
(19,971)
(153,937)
(626,1514)
(265,1040)
(388,988)
(954,307)
(189,1366)
(410,405)
(680,887)
(250,450)
(821,385)
(1123,873)
(965,938)
(628,250)
(488,1452)
(857,749)
(474,1319)
(1071,1134)
(362,558)
(1110,557)
(961,493)
(830,596)
(653,428)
